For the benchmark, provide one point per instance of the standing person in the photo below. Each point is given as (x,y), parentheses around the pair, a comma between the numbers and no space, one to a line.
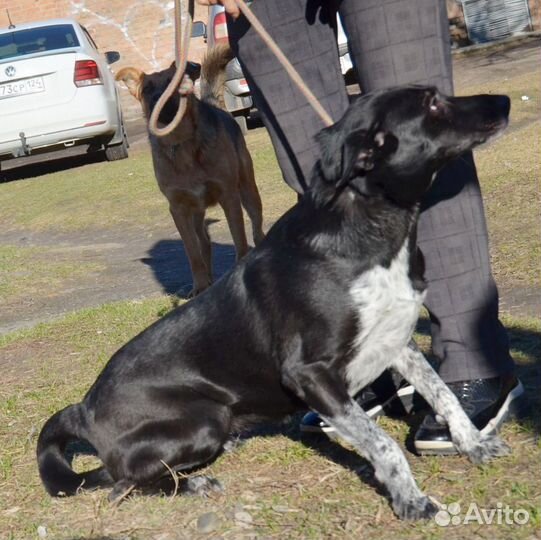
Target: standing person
(392,42)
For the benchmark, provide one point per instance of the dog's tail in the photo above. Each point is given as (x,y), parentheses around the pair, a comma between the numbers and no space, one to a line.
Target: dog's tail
(213,75)
(55,471)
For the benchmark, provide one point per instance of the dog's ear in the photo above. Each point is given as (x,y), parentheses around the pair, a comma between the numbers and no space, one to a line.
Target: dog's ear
(364,150)
(355,155)
(133,79)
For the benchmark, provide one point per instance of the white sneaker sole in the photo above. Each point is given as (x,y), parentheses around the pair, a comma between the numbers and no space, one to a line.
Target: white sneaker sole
(405,395)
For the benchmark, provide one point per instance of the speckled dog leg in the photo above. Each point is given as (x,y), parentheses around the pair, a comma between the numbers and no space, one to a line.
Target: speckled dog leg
(390,466)
(466,437)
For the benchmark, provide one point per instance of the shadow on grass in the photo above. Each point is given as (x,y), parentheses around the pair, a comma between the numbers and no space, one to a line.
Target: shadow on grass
(323,445)
(49,166)
(169,263)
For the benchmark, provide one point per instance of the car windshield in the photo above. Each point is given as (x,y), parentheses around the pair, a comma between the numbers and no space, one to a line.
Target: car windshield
(33,40)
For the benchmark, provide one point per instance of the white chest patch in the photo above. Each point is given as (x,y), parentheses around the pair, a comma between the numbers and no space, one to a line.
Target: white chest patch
(388,308)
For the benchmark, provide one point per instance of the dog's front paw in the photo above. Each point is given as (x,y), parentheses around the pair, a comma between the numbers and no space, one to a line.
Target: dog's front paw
(488,447)
(415,509)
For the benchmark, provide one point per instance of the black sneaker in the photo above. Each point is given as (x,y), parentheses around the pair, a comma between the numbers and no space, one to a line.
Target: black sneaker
(488,403)
(388,394)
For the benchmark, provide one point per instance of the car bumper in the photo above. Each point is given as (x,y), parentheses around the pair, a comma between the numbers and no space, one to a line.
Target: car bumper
(87,117)
(235,80)
(25,146)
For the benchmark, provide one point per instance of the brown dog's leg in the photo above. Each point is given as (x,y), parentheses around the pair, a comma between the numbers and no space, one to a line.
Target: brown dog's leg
(251,201)
(184,220)
(204,239)
(230,203)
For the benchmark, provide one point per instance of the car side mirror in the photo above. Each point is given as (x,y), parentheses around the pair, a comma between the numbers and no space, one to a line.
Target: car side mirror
(112,57)
(199,29)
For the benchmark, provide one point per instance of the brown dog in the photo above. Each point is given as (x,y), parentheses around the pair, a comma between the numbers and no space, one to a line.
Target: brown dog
(204,161)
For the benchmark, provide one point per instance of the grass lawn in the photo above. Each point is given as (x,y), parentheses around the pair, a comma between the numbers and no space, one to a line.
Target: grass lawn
(288,488)
(275,486)
(124,193)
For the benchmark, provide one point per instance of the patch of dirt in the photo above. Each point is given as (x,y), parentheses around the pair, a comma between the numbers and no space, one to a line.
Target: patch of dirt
(25,360)
(137,264)
(525,301)
(19,360)
(496,64)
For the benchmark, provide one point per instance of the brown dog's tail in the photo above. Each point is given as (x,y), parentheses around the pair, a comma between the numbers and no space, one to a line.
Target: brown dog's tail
(213,75)
(55,470)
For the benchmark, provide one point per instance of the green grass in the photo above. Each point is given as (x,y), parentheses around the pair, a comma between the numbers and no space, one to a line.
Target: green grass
(290,489)
(25,272)
(124,195)
(515,87)
(118,194)
(98,195)
(509,174)
(69,217)
(509,170)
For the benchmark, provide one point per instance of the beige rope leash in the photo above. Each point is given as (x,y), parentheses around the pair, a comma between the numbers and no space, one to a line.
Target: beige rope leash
(182,45)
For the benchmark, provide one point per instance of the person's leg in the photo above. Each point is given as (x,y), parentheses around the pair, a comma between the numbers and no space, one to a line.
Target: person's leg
(462,297)
(394,42)
(305,31)
(397,42)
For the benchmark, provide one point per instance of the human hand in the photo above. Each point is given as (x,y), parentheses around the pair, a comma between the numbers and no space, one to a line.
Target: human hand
(229,5)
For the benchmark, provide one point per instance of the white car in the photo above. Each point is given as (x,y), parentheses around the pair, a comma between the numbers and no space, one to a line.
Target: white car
(57,91)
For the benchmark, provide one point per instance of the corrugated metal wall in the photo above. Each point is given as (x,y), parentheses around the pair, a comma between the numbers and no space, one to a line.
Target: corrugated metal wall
(487,20)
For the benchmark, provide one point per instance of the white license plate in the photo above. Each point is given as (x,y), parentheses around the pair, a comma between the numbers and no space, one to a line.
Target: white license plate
(20,88)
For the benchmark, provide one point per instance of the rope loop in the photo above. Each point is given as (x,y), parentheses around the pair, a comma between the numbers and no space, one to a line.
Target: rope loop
(182,46)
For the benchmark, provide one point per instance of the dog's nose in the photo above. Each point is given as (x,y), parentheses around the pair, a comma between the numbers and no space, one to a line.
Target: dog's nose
(502,103)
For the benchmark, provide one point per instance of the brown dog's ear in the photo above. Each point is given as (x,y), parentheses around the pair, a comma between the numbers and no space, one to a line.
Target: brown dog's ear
(133,79)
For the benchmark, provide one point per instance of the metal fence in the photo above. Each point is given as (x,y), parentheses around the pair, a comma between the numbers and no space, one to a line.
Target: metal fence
(488,20)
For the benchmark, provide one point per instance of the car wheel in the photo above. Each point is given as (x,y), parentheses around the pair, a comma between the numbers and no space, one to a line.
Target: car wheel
(242,123)
(117,151)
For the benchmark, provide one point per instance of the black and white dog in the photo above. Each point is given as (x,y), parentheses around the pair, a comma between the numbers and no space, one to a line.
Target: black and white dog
(318,310)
